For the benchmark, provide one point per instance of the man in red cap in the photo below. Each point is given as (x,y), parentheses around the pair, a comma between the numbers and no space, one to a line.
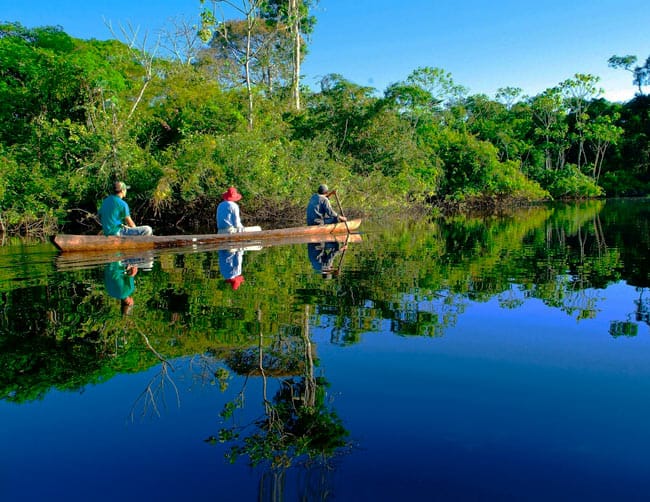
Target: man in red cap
(228,219)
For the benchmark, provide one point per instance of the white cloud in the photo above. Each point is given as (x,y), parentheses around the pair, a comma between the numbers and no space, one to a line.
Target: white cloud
(619,94)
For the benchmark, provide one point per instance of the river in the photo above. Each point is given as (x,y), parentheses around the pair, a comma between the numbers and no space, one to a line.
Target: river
(493,358)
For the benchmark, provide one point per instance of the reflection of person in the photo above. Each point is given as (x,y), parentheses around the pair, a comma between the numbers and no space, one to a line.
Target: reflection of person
(319,208)
(228,219)
(321,256)
(119,282)
(143,263)
(230,265)
(115,215)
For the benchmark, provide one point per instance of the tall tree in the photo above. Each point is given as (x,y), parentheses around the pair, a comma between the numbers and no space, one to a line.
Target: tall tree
(601,133)
(551,128)
(641,74)
(578,93)
(293,16)
(250,9)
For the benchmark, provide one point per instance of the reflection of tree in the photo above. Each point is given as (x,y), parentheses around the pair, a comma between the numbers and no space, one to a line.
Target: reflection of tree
(155,393)
(623,328)
(512,298)
(297,428)
(642,307)
(641,314)
(428,318)
(62,331)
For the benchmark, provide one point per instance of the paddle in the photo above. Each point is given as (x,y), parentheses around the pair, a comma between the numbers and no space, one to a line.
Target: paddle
(345,248)
(336,196)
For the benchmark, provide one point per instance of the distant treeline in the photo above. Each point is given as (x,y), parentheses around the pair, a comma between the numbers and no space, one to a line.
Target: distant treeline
(223,107)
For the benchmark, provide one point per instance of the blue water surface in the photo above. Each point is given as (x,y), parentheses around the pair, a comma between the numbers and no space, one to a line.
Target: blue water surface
(516,396)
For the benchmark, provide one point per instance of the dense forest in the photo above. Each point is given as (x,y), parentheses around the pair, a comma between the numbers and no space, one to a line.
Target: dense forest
(220,103)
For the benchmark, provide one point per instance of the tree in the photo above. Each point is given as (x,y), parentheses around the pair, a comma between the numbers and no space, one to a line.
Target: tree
(182,42)
(508,96)
(293,16)
(438,83)
(578,94)
(550,119)
(641,74)
(269,59)
(601,133)
(210,27)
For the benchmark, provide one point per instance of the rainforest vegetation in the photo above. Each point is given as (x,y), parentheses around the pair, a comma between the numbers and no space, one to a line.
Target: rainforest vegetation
(220,103)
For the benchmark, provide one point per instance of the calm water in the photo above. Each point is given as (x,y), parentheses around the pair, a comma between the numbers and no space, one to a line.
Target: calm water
(468,359)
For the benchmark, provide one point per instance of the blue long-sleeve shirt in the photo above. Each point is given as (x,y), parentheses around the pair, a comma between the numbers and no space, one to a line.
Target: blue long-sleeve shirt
(319,211)
(228,216)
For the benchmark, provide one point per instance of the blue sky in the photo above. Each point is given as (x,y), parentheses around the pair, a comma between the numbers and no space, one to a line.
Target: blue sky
(483,44)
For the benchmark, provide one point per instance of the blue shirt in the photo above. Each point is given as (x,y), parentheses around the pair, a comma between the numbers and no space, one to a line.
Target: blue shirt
(230,263)
(118,283)
(112,214)
(319,211)
(228,215)
(321,255)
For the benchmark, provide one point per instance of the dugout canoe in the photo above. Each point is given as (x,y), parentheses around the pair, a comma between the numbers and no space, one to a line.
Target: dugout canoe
(74,260)
(79,243)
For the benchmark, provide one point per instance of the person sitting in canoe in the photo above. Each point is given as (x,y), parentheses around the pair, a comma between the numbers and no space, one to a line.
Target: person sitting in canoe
(115,216)
(228,219)
(319,209)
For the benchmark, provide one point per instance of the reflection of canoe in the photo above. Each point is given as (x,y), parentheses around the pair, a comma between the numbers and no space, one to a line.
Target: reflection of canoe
(89,259)
(67,242)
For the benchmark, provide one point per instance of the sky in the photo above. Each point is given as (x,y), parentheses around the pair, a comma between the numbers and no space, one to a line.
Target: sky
(484,45)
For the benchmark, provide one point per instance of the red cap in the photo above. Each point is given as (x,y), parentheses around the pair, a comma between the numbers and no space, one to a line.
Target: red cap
(235,282)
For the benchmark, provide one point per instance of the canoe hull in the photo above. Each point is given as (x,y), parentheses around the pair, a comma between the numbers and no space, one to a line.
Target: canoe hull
(74,260)
(79,243)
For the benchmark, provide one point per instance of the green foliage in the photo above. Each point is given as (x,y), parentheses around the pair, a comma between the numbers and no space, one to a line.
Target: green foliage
(78,114)
(571,183)
(472,169)
(623,184)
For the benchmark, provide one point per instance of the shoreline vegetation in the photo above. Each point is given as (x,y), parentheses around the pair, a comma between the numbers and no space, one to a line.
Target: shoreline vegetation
(227,109)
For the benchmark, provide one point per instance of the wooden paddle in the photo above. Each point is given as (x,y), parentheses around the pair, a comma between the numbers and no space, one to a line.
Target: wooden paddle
(336,196)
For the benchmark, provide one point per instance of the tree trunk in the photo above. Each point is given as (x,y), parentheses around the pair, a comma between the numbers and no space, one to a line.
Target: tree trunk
(294,15)
(249,87)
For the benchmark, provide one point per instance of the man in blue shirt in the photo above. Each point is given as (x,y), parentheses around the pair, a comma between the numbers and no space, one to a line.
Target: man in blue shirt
(319,209)
(228,219)
(115,215)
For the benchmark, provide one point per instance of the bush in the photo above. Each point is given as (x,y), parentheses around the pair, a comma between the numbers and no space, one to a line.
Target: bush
(571,183)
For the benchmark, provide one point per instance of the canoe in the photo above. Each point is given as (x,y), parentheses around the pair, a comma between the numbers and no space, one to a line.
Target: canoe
(78,243)
(74,260)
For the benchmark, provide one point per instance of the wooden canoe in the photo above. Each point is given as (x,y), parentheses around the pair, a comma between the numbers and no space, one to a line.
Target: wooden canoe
(78,243)
(73,260)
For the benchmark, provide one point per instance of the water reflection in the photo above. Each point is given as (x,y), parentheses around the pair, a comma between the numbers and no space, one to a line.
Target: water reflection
(557,279)
(642,313)
(413,279)
(120,283)
(322,255)
(119,279)
(230,264)
(298,426)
